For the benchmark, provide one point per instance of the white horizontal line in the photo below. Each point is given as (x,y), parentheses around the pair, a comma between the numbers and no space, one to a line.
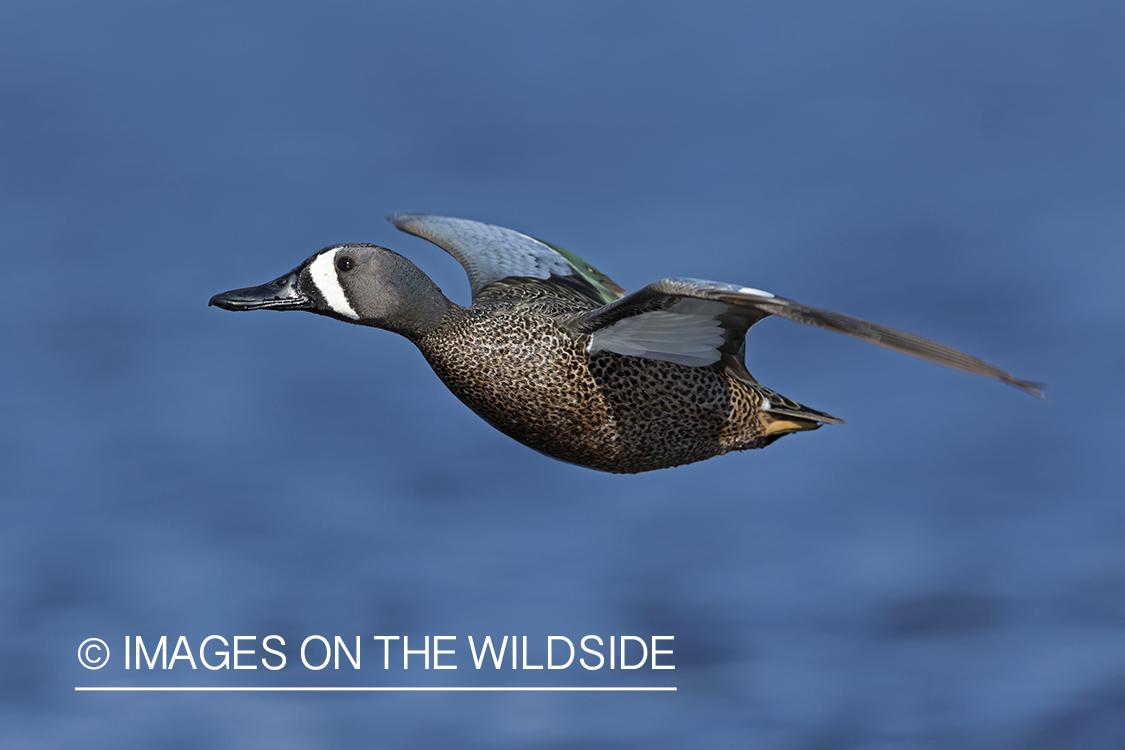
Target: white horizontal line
(369,689)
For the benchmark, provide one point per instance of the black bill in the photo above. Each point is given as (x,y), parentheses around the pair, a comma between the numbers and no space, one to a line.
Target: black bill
(280,294)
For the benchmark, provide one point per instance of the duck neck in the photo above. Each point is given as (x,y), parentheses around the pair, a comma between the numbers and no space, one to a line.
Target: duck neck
(416,306)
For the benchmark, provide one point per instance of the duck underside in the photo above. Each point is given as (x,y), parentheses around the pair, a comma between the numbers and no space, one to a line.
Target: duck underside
(614,412)
(669,414)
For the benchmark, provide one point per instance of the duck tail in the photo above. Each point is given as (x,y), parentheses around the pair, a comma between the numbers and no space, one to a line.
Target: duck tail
(781,416)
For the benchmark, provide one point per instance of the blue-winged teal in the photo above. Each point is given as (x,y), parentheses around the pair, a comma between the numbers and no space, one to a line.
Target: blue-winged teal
(556,355)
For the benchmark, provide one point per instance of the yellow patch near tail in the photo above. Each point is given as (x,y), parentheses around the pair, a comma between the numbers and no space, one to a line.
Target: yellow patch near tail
(777,425)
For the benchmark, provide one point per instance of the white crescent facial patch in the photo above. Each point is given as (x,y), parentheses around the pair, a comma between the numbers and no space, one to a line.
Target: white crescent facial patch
(323,273)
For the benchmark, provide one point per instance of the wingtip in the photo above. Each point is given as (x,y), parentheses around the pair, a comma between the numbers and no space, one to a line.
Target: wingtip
(398,218)
(1029,386)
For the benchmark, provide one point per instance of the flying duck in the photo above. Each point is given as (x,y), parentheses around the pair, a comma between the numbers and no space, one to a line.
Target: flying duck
(556,355)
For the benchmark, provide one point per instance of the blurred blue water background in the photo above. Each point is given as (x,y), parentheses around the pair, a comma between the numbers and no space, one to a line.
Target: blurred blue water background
(946,570)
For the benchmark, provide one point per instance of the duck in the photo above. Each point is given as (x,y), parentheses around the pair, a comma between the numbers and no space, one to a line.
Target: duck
(555,354)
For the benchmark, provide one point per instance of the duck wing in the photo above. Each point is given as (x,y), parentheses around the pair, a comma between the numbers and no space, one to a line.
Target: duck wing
(492,254)
(700,323)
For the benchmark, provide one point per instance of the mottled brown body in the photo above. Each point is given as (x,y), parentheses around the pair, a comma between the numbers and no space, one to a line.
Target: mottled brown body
(515,365)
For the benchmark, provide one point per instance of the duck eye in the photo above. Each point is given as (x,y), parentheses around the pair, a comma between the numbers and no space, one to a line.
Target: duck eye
(345,263)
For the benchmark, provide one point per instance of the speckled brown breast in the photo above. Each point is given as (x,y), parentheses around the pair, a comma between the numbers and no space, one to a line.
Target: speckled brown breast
(532,379)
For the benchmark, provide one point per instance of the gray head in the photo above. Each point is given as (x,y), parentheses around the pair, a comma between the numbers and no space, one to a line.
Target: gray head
(364,284)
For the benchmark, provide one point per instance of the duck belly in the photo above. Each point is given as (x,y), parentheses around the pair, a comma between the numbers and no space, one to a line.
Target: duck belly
(535,382)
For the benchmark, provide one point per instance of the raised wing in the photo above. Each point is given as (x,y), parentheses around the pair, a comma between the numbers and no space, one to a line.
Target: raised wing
(490,254)
(699,323)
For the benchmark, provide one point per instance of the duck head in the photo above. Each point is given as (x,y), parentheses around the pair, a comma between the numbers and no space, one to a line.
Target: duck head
(356,283)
